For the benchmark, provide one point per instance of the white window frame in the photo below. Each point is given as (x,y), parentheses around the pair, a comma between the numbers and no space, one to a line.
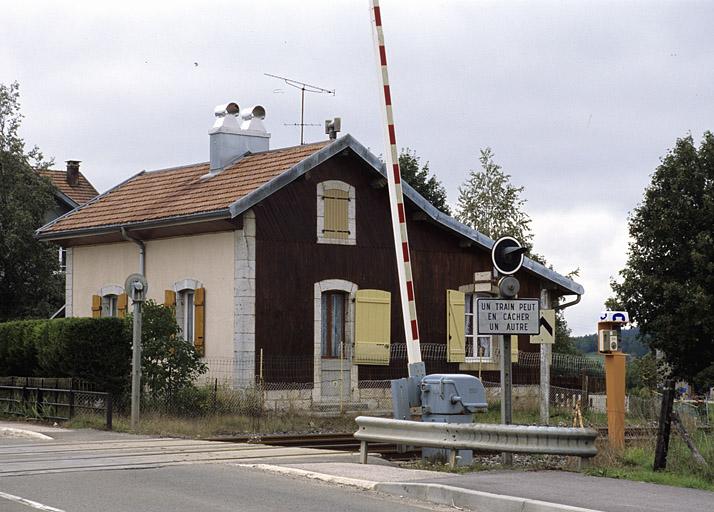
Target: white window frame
(324,186)
(62,255)
(470,339)
(110,300)
(186,317)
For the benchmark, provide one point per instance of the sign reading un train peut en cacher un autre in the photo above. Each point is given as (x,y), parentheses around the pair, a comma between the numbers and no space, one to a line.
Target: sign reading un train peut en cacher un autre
(507,316)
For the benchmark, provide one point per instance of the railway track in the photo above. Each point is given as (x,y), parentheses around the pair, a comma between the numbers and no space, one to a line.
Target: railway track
(345,441)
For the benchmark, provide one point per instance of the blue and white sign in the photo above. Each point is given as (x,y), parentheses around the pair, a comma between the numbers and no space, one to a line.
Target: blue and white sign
(615,316)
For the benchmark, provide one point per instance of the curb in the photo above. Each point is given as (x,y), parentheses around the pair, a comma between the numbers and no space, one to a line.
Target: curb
(434,493)
(18,432)
(280,470)
(474,500)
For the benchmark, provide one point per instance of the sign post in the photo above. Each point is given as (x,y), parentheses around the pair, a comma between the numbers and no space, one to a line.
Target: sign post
(136,287)
(506,316)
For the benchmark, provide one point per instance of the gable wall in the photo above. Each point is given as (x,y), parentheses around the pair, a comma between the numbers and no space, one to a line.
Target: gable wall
(208,258)
(289,263)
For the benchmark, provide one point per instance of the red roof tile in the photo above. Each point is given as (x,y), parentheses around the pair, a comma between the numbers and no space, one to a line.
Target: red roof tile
(80,193)
(181,191)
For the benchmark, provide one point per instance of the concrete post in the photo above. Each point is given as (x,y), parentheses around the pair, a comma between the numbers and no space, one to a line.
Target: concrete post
(545,356)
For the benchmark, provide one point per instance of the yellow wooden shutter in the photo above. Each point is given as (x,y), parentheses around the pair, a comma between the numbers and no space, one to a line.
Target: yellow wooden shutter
(336,214)
(169,298)
(199,302)
(373,310)
(455,344)
(96,306)
(122,305)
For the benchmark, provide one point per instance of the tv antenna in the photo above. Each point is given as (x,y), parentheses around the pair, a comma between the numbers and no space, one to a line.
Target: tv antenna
(303,89)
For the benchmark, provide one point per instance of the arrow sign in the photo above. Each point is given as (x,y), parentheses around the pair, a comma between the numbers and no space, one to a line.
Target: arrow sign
(547,327)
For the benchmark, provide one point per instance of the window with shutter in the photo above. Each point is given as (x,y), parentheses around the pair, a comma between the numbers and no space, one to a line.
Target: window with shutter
(477,348)
(372,327)
(96,306)
(122,305)
(336,222)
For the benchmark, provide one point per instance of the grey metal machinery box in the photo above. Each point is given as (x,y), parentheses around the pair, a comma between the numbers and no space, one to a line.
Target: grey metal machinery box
(452,394)
(451,398)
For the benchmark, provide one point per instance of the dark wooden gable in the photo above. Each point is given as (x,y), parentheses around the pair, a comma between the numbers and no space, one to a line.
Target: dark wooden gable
(289,261)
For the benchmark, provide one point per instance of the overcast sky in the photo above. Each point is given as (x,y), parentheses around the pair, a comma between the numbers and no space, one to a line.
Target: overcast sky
(578,100)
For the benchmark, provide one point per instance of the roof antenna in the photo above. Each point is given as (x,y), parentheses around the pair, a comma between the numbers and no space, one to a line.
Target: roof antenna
(303,89)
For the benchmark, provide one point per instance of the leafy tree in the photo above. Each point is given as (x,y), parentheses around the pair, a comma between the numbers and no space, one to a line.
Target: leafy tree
(489,203)
(169,364)
(418,177)
(668,283)
(642,373)
(30,285)
(563,342)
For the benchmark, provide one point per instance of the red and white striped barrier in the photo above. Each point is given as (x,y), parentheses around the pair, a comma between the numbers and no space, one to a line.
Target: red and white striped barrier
(396,201)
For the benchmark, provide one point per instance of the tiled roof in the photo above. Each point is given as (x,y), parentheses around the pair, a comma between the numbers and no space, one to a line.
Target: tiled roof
(180,191)
(82,192)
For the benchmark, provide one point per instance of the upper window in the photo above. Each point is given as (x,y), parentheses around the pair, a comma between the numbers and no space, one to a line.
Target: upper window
(478,348)
(62,259)
(336,220)
(111,302)
(188,296)
(333,323)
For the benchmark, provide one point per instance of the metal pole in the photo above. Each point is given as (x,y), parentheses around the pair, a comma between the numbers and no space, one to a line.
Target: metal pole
(545,354)
(506,390)
(136,367)
(302,114)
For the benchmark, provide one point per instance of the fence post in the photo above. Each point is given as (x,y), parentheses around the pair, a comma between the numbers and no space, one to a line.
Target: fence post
(586,390)
(40,402)
(108,404)
(665,424)
(71,402)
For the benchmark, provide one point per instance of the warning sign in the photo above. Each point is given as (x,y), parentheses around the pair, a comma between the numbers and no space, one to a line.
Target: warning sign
(508,316)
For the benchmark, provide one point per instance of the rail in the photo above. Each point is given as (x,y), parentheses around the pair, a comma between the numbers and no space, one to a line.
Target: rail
(53,403)
(578,442)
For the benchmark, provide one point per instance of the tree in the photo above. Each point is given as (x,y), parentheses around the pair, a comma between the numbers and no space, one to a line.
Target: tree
(30,284)
(169,364)
(489,203)
(418,177)
(563,342)
(668,282)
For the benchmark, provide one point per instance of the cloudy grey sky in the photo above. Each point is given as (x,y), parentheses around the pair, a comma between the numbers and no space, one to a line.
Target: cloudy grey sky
(578,100)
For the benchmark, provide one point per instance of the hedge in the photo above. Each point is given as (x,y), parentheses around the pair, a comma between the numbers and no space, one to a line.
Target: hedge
(94,349)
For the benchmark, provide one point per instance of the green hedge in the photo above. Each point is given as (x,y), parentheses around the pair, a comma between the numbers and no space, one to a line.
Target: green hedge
(94,349)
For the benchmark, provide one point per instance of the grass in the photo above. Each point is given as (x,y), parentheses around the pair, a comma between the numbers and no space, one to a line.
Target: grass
(635,463)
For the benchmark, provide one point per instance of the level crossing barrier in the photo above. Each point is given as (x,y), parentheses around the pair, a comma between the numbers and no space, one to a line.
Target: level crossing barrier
(578,442)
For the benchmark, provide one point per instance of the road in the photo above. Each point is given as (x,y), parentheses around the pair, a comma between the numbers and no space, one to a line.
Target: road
(114,473)
(191,488)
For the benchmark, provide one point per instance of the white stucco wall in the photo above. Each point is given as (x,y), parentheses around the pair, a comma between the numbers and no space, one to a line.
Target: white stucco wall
(207,258)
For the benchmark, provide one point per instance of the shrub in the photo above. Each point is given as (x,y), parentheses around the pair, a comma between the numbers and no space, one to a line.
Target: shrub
(94,349)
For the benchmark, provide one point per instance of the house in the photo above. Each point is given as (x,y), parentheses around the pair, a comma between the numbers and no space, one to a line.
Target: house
(280,263)
(72,189)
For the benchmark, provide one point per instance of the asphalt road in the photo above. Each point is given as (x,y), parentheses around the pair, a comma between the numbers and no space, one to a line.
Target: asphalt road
(192,488)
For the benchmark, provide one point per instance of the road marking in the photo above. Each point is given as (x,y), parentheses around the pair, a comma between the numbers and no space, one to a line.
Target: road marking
(29,503)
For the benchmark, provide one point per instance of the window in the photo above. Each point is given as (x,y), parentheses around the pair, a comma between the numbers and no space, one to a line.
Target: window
(333,324)
(185,313)
(109,305)
(336,222)
(478,348)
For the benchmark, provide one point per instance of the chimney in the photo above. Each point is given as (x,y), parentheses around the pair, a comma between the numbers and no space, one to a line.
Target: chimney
(73,172)
(332,128)
(236,132)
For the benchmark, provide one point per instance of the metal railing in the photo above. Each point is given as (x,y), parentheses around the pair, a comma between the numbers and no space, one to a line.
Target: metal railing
(579,442)
(53,403)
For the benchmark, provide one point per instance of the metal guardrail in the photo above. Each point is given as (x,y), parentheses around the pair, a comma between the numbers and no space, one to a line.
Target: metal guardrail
(579,442)
(53,403)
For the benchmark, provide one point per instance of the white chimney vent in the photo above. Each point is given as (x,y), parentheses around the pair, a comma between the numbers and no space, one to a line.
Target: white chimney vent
(230,138)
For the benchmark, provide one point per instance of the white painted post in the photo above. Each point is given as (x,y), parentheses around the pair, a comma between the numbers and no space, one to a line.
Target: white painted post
(545,354)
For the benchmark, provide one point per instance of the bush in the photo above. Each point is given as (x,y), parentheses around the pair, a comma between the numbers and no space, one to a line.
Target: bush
(94,349)
(169,364)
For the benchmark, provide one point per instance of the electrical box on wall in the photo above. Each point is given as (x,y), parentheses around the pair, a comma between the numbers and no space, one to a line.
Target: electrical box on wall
(609,340)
